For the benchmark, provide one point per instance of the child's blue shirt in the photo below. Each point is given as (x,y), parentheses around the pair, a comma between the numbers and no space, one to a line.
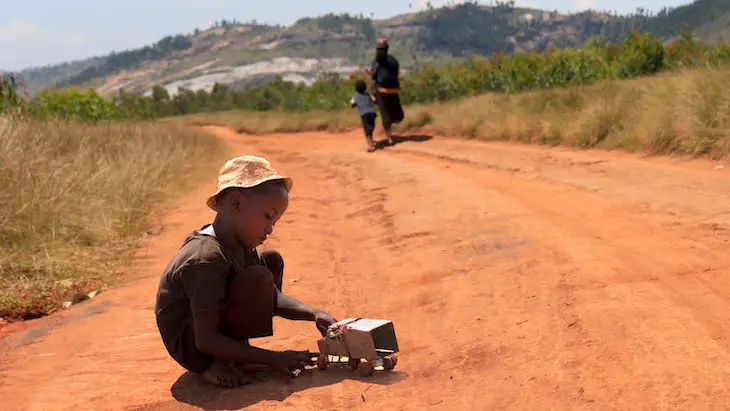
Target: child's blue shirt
(364,103)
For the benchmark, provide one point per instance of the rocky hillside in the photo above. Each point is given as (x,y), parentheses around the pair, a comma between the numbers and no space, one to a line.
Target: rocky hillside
(238,54)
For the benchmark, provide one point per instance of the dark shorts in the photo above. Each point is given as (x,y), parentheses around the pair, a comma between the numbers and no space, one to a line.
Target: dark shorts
(249,311)
(390,108)
(368,123)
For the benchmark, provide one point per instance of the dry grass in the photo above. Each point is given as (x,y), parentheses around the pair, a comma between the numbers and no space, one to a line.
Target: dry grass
(674,113)
(74,197)
(680,113)
(262,122)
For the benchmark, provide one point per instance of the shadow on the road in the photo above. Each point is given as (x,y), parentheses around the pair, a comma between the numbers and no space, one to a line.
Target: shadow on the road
(194,390)
(416,138)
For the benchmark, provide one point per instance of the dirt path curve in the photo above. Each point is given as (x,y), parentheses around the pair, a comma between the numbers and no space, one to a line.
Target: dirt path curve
(517,278)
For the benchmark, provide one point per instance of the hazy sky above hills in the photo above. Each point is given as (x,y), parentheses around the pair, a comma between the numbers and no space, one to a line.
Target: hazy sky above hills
(39,32)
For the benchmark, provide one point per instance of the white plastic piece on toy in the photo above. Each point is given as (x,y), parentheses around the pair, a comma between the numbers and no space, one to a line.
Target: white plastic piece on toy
(362,324)
(367,324)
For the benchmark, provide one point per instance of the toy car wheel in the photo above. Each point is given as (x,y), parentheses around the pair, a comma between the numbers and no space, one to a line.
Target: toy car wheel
(366,369)
(354,363)
(390,361)
(322,362)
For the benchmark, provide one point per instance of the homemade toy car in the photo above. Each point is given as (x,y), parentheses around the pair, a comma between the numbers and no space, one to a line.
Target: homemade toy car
(367,343)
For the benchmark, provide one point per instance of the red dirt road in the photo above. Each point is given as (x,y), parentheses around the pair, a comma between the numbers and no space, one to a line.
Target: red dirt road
(517,277)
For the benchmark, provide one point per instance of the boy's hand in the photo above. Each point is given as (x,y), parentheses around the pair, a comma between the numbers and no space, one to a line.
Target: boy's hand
(287,361)
(323,321)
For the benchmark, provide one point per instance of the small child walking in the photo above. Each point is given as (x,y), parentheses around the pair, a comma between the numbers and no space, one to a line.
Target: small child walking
(365,106)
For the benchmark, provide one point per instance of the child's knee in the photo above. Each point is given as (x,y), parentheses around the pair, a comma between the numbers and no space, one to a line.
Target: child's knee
(273,260)
(259,275)
(252,280)
(275,263)
(251,302)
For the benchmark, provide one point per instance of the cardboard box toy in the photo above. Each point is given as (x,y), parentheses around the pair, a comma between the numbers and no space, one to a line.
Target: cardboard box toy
(366,342)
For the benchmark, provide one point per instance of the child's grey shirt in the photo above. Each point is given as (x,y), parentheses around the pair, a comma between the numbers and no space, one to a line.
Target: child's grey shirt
(364,103)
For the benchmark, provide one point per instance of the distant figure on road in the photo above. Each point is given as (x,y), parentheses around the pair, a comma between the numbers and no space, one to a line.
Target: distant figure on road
(386,86)
(364,103)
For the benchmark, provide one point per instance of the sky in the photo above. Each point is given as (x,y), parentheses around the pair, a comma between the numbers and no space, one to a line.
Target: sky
(40,32)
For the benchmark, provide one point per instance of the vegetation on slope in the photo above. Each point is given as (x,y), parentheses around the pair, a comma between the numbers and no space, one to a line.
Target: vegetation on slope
(673,113)
(637,55)
(117,62)
(432,36)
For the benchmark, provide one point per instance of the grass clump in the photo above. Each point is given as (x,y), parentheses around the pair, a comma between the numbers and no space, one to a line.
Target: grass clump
(263,122)
(74,197)
(684,113)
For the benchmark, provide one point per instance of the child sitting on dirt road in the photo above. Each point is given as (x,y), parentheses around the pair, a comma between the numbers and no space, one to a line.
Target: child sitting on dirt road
(366,107)
(218,291)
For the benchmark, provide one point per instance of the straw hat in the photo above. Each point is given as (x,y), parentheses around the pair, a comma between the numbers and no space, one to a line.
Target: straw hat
(246,172)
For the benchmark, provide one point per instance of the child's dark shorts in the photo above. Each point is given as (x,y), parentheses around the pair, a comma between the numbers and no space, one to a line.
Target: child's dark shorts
(368,123)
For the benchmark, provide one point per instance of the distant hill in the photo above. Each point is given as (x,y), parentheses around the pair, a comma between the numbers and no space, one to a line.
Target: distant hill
(237,54)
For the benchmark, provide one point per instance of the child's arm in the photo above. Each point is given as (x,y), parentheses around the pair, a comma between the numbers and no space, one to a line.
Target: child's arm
(292,309)
(352,103)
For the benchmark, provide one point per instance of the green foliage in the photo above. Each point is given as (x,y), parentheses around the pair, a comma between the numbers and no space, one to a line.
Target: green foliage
(9,98)
(638,55)
(454,31)
(641,55)
(343,23)
(468,28)
(669,23)
(73,103)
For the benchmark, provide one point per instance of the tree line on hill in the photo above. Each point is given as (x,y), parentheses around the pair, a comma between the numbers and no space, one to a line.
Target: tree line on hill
(459,31)
(638,55)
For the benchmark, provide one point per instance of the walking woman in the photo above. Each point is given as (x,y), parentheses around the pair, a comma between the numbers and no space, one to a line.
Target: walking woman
(386,87)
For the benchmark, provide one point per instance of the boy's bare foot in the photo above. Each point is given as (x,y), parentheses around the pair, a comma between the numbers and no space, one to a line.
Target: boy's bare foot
(225,375)
(371,144)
